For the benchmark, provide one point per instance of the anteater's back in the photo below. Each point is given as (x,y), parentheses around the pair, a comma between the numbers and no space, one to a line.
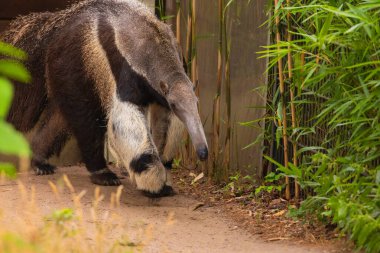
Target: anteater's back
(34,33)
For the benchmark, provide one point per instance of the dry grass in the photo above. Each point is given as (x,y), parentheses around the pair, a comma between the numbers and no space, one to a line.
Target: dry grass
(71,229)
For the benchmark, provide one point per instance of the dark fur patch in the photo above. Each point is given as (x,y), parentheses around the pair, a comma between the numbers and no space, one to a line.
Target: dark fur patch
(58,144)
(29,100)
(131,86)
(142,163)
(80,105)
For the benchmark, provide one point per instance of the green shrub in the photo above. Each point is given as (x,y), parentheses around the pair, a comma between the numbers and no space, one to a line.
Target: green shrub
(341,78)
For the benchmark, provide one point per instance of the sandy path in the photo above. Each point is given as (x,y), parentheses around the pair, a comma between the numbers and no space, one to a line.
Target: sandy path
(173,225)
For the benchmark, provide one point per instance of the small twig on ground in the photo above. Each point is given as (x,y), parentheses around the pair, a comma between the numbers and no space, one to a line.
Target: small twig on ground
(276,239)
(198,205)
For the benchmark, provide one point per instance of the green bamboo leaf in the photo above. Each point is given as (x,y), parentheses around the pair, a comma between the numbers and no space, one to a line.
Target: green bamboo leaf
(279,111)
(306,149)
(354,28)
(6,95)
(326,25)
(163,18)
(12,142)
(226,6)
(368,229)
(363,64)
(278,136)
(277,7)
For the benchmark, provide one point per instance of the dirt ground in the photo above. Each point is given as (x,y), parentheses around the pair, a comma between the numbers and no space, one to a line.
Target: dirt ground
(175,224)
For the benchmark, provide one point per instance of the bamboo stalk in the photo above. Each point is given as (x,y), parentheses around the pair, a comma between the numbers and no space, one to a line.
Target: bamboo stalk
(193,54)
(178,23)
(302,68)
(282,92)
(194,62)
(227,77)
(292,106)
(183,149)
(193,44)
(216,107)
(188,39)
(188,56)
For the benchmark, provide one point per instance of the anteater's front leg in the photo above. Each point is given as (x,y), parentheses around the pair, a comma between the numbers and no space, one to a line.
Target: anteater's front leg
(130,139)
(167,131)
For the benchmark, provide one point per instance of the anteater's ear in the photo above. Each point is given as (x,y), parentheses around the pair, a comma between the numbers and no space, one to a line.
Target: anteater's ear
(164,88)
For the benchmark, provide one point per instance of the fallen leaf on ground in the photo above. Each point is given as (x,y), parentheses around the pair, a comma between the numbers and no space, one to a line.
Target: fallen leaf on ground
(280,213)
(200,176)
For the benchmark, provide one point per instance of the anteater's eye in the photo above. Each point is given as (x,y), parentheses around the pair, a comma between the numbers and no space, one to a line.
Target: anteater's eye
(172,105)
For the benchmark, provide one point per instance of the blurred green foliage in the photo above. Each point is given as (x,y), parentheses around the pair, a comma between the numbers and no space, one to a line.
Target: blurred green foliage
(11,141)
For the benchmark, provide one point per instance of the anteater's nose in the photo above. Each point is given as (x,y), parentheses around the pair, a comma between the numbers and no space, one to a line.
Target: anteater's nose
(202,153)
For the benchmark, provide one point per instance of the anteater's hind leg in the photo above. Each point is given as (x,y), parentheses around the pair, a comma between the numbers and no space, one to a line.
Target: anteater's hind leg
(131,141)
(50,136)
(167,132)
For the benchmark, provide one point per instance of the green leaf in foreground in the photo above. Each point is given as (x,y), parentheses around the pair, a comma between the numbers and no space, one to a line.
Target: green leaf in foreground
(14,70)
(12,142)
(8,170)
(11,51)
(6,95)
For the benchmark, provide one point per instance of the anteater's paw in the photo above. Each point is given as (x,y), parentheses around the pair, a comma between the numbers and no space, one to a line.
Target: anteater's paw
(105,177)
(44,169)
(166,191)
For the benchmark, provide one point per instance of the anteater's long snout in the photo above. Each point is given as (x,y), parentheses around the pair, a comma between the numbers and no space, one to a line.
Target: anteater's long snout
(184,104)
(188,114)
(197,135)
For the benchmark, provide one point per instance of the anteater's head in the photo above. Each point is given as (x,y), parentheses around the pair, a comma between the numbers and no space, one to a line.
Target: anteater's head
(183,102)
